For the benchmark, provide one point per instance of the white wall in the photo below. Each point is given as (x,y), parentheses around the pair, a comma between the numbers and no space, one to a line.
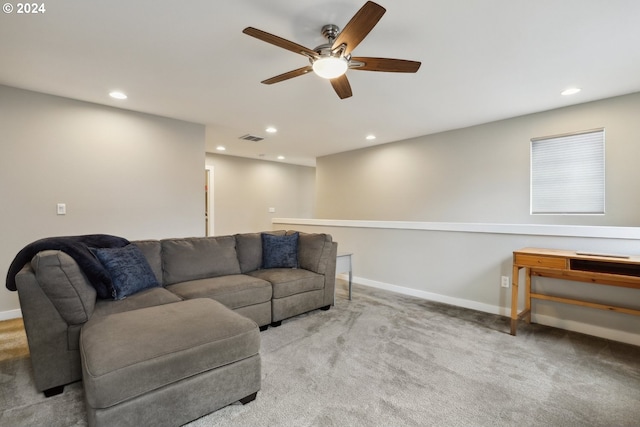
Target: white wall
(119,172)
(245,189)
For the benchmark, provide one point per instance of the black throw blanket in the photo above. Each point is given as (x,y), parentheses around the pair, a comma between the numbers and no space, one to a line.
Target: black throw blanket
(76,247)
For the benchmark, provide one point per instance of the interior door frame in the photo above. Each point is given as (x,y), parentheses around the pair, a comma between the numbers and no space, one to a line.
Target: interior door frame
(209,204)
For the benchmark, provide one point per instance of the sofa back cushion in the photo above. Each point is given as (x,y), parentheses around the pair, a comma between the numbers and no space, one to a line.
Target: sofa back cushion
(152,250)
(198,258)
(65,285)
(313,251)
(249,247)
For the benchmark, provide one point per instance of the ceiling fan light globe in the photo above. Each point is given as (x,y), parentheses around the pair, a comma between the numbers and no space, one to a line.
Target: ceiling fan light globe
(330,67)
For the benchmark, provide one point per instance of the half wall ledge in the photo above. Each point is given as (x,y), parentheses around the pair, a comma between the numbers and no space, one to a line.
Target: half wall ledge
(603,232)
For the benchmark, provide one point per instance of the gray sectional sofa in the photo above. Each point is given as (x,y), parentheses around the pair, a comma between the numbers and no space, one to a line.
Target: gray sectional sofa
(67,324)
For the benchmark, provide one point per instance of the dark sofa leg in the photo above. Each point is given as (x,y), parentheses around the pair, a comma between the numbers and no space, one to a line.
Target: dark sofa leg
(325,308)
(264,328)
(249,398)
(276,324)
(53,391)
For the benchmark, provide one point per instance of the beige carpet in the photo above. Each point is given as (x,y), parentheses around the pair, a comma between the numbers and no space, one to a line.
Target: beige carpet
(385,359)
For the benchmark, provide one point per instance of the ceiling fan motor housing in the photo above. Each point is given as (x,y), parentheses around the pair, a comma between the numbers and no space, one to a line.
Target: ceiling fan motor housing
(330,32)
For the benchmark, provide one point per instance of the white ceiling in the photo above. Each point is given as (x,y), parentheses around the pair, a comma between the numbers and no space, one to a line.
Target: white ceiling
(482,60)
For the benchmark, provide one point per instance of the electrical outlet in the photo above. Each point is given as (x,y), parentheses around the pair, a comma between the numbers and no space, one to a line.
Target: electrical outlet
(504,281)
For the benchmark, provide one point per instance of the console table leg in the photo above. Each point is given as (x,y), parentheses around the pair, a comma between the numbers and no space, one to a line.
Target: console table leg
(527,294)
(514,299)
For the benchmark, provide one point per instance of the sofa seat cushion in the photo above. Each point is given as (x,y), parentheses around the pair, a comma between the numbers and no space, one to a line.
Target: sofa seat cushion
(126,355)
(147,298)
(287,281)
(234,291)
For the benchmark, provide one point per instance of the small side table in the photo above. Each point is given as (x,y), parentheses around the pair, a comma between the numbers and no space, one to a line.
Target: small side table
(343,264)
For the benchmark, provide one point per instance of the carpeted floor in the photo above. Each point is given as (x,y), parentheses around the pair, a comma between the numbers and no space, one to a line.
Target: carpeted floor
(385,359)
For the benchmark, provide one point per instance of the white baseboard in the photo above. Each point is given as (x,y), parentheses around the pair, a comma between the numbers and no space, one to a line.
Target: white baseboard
(584,328)
(458,302)
(10,314)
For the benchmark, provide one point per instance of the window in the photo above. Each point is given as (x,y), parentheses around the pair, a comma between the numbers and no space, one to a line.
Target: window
(567,173)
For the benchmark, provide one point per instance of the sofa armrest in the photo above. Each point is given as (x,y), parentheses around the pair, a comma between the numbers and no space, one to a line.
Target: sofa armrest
(317,252)
(64,283)
(55,360)
(330,274)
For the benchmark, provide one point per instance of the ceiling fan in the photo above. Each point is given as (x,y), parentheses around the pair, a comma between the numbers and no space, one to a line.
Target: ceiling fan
(332,59)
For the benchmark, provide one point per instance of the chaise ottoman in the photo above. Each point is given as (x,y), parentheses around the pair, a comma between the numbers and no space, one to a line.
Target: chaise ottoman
(169,364)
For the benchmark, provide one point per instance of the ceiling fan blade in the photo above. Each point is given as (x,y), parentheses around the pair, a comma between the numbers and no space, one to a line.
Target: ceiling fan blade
(280,42)
(360,25)
(385,64)
(341,86)
(288,75)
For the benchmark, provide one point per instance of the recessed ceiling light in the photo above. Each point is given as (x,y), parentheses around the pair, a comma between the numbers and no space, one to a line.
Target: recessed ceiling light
(281,157)
(271,129)
(220,148)
(570,91)
(371,137)
(117,95)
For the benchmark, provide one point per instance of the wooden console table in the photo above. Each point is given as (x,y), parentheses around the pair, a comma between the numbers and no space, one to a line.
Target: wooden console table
(600,269)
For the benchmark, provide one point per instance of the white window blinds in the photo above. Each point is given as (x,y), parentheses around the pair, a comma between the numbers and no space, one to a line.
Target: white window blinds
(567,173)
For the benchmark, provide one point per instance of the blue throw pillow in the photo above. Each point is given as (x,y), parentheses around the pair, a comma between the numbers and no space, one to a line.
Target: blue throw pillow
(280,251)
(129,270)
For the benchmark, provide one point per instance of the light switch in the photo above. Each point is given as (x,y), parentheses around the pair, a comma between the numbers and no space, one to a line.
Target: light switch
(272,210)
(62,209)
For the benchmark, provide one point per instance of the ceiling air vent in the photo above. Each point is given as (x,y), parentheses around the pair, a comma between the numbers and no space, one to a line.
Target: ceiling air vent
(252,138)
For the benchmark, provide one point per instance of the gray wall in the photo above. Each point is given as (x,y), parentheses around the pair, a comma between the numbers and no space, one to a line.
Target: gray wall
(245,189)
(481,173)
(123,173)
